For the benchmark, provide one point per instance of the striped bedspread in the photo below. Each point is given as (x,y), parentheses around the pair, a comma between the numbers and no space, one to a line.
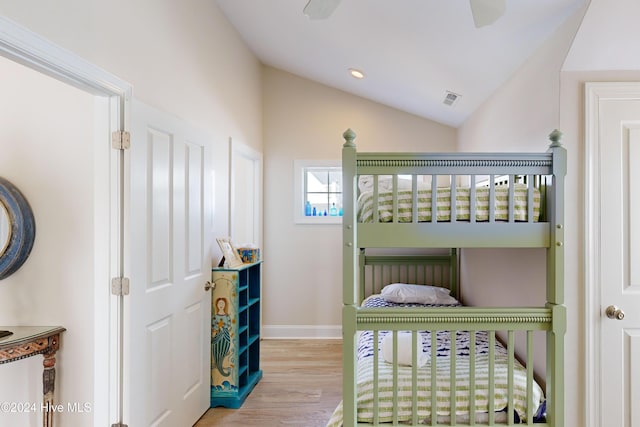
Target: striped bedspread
(405,203)
(365,372)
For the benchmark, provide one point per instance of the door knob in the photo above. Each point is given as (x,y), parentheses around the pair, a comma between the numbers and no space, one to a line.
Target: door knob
(208,286)
(614,312)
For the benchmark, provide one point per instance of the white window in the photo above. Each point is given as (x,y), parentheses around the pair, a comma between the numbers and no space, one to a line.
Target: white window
(318,192)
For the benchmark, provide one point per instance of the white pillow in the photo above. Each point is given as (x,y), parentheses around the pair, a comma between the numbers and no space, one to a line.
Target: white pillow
(405,349)
(422,294)
(385,183)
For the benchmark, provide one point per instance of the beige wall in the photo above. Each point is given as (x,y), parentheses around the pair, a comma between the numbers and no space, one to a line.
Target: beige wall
(607,39)
(519,117)
(505,122)
(303,263)
(181,57)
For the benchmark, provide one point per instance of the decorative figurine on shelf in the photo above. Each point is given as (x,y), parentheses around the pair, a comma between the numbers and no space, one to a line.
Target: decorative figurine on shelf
(220,336)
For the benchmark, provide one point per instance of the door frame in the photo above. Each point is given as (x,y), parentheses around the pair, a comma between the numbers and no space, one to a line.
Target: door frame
(113,96)
(237,150)
(594,92)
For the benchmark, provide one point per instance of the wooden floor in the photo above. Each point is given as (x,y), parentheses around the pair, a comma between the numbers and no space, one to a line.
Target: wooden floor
(301,386)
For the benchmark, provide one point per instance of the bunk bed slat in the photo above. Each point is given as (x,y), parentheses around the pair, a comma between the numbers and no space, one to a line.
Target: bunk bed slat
(376,379)
(492,365)
(472,196)
(510,365)
(472,379)
(492,198)
(530,187)
(529,377)
(376,200)
(453,378)
(414,198)
(395,377)
(434,198)
(414,379)
(434,374)
(453,213)
(511,199)
(394,179)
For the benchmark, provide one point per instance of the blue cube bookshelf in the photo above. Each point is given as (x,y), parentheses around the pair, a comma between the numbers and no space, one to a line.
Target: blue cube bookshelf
(235,334)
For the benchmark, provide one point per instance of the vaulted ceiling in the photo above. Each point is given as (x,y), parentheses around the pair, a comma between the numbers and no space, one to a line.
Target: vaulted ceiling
(412,52)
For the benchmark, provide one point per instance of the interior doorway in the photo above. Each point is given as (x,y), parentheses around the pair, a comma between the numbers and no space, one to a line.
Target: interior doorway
(111,97)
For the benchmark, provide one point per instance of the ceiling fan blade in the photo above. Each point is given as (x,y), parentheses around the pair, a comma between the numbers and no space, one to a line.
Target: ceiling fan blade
(320,9)
(486,12)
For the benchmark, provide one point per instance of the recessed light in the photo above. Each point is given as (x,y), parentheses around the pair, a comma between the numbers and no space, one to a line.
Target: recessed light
(356,73)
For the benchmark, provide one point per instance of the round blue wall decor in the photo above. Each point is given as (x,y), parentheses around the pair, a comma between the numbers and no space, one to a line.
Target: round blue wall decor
(22,229)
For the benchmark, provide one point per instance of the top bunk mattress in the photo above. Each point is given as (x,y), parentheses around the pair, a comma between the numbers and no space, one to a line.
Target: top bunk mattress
(366,204)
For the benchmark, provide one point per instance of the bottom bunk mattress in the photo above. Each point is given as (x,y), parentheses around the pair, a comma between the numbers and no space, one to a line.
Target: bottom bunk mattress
(365,379)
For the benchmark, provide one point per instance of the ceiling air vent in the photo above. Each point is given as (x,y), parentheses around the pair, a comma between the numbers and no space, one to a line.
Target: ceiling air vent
(450,98)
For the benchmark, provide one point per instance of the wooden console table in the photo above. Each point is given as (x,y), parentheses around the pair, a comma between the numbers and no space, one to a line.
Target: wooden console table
(27,341)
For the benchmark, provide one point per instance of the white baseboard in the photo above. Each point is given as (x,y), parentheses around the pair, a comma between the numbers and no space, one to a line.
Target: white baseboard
(301,332)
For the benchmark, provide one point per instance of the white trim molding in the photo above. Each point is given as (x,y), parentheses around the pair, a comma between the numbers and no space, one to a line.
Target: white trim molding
(595,93)
(302,332)
(34,51)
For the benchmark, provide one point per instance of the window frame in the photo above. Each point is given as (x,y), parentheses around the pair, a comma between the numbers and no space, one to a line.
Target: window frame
(300,191)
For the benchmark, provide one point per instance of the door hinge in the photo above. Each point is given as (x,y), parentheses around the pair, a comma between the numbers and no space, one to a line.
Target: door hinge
(120,286)
(120,140)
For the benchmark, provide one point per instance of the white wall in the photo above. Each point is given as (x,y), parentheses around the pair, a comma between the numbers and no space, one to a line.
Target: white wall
(303,263)
(181,57)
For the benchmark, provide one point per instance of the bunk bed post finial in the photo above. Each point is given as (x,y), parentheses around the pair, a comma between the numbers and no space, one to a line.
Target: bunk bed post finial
(555,136)
(349,136)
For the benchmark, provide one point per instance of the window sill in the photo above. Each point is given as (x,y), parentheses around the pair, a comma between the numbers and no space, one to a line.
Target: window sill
(319,220)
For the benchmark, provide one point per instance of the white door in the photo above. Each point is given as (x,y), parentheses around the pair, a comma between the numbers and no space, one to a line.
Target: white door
(168,312)
(618,266)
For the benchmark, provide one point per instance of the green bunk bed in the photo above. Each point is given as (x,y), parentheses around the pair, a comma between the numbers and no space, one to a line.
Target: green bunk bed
(405,333)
